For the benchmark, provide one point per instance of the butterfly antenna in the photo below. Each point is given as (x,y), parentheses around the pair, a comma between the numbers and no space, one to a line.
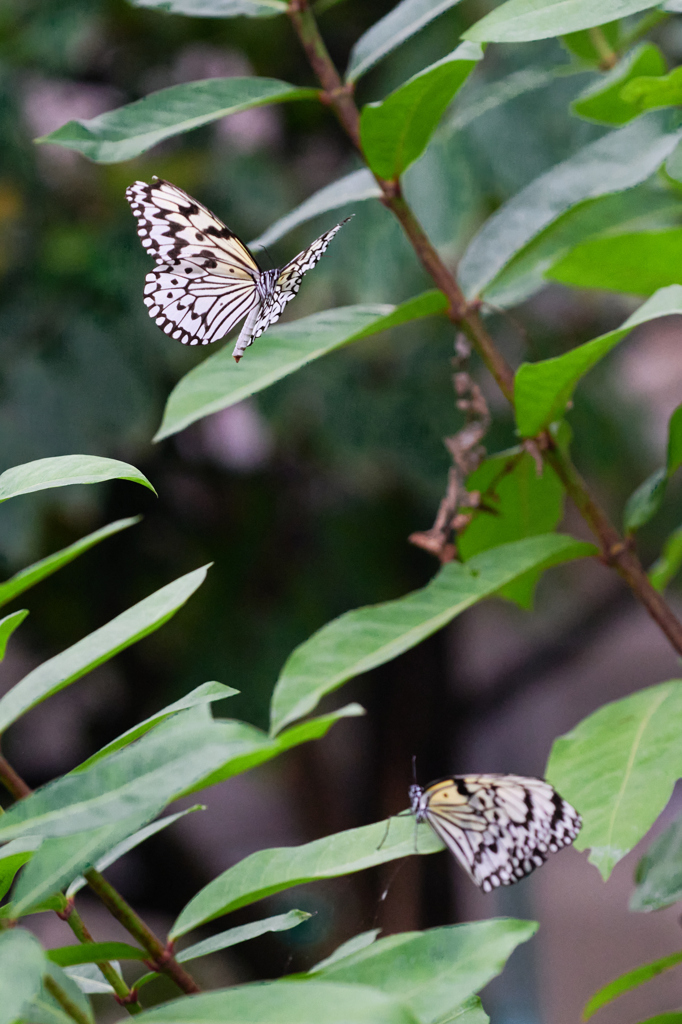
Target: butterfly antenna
(267,253)
(414,769)
(385,836)
(384,894)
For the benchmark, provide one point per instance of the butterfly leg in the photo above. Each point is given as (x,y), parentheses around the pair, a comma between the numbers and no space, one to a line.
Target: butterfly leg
(246,334)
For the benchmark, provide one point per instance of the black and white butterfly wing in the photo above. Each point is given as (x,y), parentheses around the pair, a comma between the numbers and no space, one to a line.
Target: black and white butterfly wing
(282,290)
(194,306)
(499,827)
(173,226)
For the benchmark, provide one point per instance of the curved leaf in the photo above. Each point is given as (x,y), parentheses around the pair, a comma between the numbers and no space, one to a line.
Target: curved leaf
(64,470)
(605,100)
(518,21)
(233,936)
(216,8)
(626,982)
(126,132)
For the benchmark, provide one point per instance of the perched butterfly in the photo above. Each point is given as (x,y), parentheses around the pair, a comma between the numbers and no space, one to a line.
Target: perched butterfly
(499,827)
(206,280)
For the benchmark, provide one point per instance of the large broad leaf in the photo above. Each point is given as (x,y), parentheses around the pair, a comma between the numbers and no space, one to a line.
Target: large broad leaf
(396,131)
(435,971)
(518,21)
(64,470)
(216,8)
(185,753)
(283,1002)
(127,628)
(355,187)
(654,89)
(61,859)
(233,936)
(638,209)
(22,962)
(617,161)
(366,637)
(619,767)
(516,503)
(542,390)
(126,132)
(626,982)
(207,693)
(659,872)
(603,101)
(28,577)
(269,871)
(218,382)
(403,21)
(495,94)
(639,263)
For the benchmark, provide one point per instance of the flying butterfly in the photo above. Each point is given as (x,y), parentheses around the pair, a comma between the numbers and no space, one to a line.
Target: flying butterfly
(206,280)
(499,827)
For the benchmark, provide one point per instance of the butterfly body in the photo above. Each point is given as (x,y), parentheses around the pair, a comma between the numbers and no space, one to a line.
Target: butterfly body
(206,280)
(499,827)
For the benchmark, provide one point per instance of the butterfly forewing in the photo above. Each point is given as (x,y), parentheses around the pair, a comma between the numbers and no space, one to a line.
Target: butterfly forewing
(500,827)
(172,225)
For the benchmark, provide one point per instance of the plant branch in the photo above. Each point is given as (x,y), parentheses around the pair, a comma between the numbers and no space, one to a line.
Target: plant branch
(608,57)
(161,957)
(615,550)
(124,995)
(58,993)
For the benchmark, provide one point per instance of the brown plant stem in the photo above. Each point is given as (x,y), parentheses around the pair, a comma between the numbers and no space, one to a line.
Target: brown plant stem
(615,550)
(608,57)
(67,1004)
(161,957)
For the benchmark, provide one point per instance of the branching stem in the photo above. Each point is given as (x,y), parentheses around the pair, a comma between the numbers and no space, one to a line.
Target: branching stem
(616,551)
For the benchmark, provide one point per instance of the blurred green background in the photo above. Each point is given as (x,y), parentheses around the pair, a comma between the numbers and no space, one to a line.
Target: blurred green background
(304,497)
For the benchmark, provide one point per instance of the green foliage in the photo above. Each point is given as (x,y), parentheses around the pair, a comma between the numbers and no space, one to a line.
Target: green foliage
(518,21)
(604,101)
(654,90)
(217,8)
(125,133)
(639,262)
(65,471)
(619,766)
(659,872)
(22,962)
(628,981)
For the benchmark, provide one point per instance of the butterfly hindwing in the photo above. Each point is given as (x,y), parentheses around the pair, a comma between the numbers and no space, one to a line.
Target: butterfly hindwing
(195,307)
(499,827)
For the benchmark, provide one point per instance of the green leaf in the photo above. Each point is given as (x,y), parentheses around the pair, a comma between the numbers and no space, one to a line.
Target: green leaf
(7,627)
(218,382)
(22,962)
(61,859)
(664,1018)
(126,629)
(231,937)
(39,1011)
(129,844)
(134,780)
(659,872)
(260,747)
(366,637)
(581,44)
(619,767)
(71,990)
(269,871)
(28,577)
(603,102)
(666,567)
(628,981)
(126,132)
(638,263)
(281,1002)
(518,21)
(90,979)
(204,694)
(542,390)
(616,161)
(434,971)
(216,8)
(396,131)
(495,94)
(521,504)
(674,460)
(654,90)
(358,942)
(352,188)
(638,209)
(13,856)
(644,503)
(63,470)
(406,18)
(95,952)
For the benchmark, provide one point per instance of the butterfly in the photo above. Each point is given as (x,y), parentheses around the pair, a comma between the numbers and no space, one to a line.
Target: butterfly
(499,827)
(206,280)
